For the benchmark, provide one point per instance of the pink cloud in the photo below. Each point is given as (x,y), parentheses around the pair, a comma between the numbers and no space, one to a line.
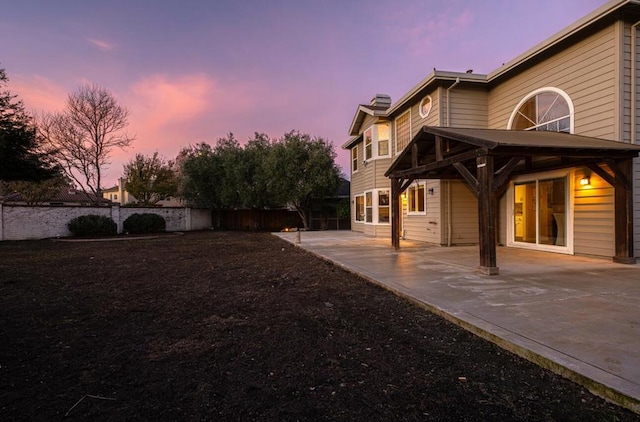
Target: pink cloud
(38,93)
(101,44)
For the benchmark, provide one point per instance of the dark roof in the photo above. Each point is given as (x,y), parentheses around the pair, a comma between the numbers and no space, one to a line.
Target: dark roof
(462,145)
(492,138)
(65,195)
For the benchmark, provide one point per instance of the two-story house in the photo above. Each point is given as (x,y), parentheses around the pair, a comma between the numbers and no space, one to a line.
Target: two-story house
(539,154)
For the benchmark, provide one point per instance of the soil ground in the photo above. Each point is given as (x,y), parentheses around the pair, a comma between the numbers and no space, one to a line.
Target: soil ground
(243,326)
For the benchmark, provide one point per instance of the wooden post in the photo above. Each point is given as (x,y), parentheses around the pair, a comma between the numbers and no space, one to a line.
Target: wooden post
(395,212)
(624,212)
(486,215)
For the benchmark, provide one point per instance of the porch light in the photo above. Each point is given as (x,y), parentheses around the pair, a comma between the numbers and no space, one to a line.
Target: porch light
(585,181)
(404,196)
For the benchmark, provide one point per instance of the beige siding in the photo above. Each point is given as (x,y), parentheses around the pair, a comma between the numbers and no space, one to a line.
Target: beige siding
(425,228)
(584,71)
(431,120)
(464,214)
(469,108)
(503,220)
(636,206)
(369,176)
(593,217)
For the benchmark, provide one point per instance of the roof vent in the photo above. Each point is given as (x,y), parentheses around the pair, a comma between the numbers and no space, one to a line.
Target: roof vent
(381,100)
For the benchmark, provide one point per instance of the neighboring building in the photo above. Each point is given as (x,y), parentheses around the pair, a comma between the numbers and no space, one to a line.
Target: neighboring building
(120,195)
(65,197)
(537,154)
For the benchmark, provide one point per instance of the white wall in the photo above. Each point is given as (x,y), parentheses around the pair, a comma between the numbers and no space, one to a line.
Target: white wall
(20,222)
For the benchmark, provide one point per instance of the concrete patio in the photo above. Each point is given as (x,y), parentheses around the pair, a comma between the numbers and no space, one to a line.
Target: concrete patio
(577,316)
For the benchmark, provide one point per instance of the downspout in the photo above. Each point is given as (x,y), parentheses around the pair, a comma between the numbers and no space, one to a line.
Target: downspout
(449,211)
(453,85)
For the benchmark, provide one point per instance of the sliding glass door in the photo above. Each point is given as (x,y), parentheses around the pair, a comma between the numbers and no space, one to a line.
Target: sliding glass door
(539,212)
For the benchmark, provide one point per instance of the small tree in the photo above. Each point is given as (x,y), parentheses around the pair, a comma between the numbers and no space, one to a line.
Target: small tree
(150,178)
(83,136)
(300,169)
(21,157)
(36,193)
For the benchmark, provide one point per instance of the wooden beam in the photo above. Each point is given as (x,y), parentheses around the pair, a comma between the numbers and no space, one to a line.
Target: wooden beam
(438,148)
(487,215)
(395,212)
(406,184)
(623,199)
(414,155)
(425,168)
(504,174)
(602,173)
(467,176)
(621,177)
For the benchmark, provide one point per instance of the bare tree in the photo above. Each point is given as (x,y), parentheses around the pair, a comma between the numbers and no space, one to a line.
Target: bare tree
(83,136)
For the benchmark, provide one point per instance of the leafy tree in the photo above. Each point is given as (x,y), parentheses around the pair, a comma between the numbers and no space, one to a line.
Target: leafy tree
(300,169)
(36,193)
(150,178)
(83,136)
(200,171)
(254,186)
(20,155)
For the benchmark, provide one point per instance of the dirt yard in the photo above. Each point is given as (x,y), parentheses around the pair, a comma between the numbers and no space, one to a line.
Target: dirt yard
(222,326)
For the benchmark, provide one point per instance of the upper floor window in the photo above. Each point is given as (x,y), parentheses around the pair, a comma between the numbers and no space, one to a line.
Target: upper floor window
(425,106)
(368,140)
(403,131)
(547,109)
(383,139)
(354,159)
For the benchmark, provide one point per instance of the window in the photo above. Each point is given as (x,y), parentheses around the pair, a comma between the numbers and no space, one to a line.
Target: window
(540,207)
(354,159)
(383,139)
(403,131)
(425,106)
(368,138)
(548,109)
(360,208)
(416,201)
(376,205)
(383,206)
(115,196)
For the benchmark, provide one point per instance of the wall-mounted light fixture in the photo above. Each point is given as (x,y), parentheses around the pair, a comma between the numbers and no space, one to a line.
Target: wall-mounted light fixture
(430,190)
(585,180)
(404,195)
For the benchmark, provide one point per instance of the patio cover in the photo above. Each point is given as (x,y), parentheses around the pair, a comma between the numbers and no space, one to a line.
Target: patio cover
(487,159)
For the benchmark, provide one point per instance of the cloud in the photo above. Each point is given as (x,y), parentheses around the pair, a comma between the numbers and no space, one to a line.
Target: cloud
(38,93)
(101,44)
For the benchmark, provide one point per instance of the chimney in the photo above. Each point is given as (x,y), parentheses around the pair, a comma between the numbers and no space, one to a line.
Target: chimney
(381,100)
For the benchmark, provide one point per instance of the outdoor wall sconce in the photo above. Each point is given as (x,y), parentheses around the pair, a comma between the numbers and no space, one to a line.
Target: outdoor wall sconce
(430,191)
(585,181)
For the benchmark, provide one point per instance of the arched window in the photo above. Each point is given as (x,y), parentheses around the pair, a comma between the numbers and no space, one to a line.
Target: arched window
(547,109)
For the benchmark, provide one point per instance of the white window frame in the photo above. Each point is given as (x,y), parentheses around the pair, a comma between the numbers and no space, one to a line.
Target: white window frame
(395,130)
(566,173)
(416,186)
(368,147)
(422,113)
(354,160)
(373,212)
(355,208)
(379,139)
(373,133)
(555,90)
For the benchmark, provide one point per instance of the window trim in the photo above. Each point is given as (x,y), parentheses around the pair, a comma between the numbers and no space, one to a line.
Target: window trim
(355,209)
(368,151)
(374,212)
(395,130)
(420,111)
(378,139)
(354,160)
(538,91)
(416,186)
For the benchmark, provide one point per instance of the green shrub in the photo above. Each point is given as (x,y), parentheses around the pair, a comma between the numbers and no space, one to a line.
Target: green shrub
(144,223)
(92,225)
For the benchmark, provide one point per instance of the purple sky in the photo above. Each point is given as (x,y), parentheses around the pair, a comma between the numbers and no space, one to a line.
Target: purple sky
(193,71)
